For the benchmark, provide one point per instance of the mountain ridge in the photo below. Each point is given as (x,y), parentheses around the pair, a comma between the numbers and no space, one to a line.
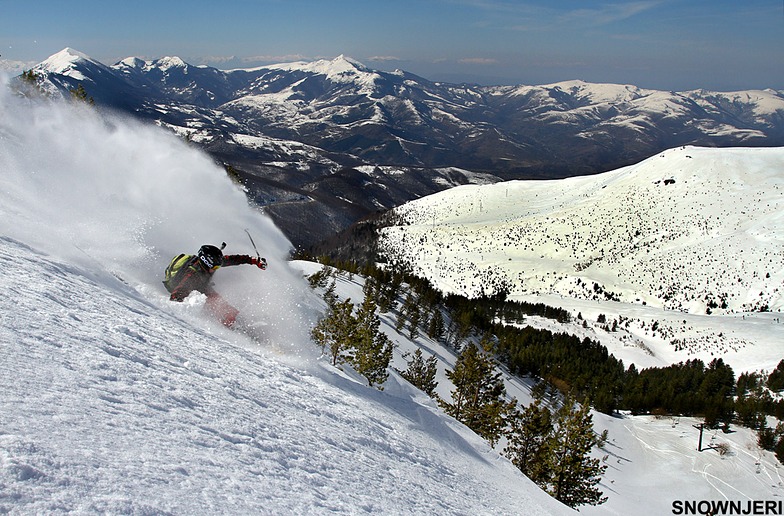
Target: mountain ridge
(352,116)
(327,81)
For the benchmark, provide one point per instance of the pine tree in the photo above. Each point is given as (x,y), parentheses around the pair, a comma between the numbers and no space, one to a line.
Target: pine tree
(779,450)
(329,295)
(400,321)
(372,288)
(80,94)
(479,397)
(388,294)
(320,277)
(372,349)
(716,390)
(571,473)
(413,325)
(529,431)
(32,83)
(460,327)
(335,331)
(435,329)
(356,339)
(30,77)
(421,373)
(775,380)
(408,313)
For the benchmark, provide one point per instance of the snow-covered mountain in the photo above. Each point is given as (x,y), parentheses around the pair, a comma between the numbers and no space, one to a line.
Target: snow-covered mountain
(115,400)
(348,115)
(688,232)
(397,118)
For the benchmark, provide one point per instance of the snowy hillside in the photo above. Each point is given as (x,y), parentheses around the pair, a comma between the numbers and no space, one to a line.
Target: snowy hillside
(115,400)
(652,462)
(688,232)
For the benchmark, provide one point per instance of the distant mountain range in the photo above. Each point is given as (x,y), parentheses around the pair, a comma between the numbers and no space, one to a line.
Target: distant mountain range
(324,143)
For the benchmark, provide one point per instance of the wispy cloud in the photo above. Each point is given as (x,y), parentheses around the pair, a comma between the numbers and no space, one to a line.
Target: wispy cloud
(533,15)
(499,6)
(608,13)
(478,61)
(276,58)
(384,58)
(216,59)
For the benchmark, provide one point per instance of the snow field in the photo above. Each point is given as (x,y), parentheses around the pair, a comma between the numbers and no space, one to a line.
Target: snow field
(116,406)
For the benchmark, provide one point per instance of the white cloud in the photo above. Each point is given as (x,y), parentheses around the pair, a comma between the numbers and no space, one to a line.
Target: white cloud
(384,58)
(277,58)
(217,59)
(478,60)
(500,6)
(609,13)
(529,16)
(15,67)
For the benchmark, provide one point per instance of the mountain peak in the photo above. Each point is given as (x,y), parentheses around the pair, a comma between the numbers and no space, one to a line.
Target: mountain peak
(341,69)
(344,60)
(65,57)
(131,62)
(168,62)
(70,53)
(66,61)
(337,67)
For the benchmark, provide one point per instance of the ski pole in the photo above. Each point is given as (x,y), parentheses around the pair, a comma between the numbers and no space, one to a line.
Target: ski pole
(262,260)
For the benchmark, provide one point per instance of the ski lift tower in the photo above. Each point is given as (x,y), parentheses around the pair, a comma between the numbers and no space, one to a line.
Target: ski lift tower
(699,427)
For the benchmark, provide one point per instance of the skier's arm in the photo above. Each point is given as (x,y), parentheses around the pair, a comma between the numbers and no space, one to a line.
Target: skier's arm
(237,259)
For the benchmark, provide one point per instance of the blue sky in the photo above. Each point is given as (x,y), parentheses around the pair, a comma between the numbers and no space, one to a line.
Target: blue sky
(663,44)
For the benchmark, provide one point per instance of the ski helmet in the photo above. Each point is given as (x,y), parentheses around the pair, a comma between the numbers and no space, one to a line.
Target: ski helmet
(210,256)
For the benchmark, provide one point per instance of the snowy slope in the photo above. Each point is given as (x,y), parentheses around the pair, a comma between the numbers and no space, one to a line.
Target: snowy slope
(114,400)
(652,463)
(688,232)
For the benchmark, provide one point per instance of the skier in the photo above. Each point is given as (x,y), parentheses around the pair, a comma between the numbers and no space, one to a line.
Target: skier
(188,272)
